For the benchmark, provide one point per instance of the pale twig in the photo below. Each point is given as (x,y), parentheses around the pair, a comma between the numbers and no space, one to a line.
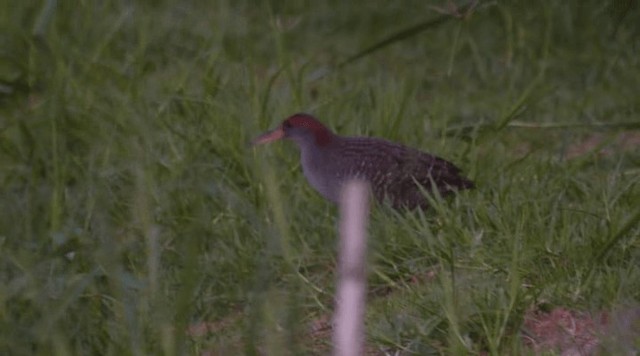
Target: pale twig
(348,337)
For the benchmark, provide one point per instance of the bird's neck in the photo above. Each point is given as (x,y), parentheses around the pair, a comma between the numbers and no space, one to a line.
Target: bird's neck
(318,167)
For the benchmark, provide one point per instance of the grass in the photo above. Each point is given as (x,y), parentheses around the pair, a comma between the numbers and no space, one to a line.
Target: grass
(134,213)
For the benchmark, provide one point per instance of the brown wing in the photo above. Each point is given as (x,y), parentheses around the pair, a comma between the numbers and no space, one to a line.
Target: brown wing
(420,169)
(393,171)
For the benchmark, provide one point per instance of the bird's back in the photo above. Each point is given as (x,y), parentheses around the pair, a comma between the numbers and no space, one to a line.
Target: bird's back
(396,172)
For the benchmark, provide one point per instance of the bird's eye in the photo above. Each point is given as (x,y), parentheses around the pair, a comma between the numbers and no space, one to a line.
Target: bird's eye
(286,124)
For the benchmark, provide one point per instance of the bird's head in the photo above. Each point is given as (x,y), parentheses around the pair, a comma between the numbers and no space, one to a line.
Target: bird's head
(303,129)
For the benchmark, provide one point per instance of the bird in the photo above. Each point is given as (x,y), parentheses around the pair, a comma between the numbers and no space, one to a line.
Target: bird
(397,174)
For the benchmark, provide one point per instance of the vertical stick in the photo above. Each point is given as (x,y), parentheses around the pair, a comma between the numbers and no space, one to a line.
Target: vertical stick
(348,336)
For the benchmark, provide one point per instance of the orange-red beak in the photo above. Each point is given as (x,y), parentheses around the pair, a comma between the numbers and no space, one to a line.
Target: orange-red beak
(270,136)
